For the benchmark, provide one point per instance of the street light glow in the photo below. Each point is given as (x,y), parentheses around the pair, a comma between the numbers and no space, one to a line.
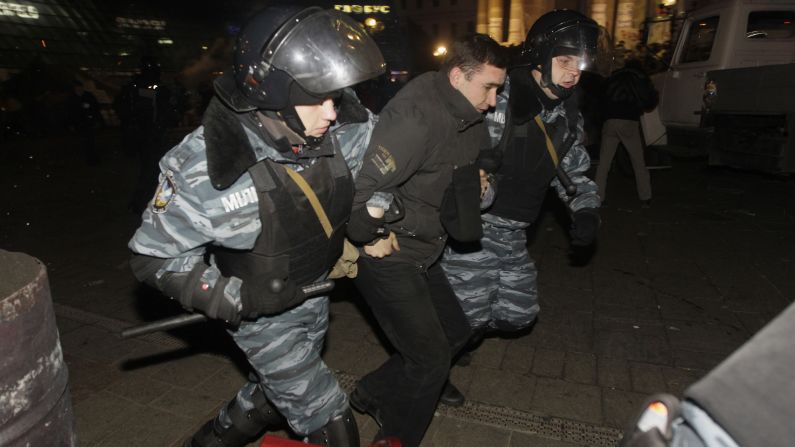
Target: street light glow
(441,50)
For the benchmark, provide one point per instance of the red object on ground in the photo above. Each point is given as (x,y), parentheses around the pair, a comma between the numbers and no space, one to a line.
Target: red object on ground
(274,441)
(388,442)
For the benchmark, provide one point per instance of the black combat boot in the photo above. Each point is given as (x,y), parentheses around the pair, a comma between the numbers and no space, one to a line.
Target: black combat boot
(464,357)
(246,426)
(340,431)
(451,396)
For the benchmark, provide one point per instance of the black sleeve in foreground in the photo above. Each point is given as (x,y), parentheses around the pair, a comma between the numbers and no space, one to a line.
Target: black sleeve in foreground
(396,151)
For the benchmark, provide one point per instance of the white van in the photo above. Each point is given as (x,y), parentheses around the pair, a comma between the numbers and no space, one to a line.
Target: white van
(720,35)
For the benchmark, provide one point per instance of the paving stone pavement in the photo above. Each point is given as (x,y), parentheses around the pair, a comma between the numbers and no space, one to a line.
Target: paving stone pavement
(669,292)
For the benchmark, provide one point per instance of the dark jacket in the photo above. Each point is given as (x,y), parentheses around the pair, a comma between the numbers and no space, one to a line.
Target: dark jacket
(423,133)
(627,94)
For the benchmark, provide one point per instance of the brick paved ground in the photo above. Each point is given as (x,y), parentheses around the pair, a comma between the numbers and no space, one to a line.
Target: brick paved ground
(670,291)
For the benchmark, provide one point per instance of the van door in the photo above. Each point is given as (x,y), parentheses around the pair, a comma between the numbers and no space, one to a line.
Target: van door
(680,104)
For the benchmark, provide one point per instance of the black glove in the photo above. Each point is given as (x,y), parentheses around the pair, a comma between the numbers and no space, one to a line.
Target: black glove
(196,294)
(268,296)
(363,228)
(489,160)
(584,224)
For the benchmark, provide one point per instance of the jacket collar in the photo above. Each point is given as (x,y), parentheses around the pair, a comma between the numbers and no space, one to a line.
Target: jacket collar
(456,103)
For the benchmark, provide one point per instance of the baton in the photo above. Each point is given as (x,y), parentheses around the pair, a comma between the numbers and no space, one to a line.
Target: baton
(165,324)
(566,182)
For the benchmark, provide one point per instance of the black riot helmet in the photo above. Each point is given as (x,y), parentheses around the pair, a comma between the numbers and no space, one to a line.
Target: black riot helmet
(294,51)
(562,32)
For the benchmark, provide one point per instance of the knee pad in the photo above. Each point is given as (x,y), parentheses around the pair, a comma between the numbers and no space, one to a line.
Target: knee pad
(246,425)
(340,431)
(262,417)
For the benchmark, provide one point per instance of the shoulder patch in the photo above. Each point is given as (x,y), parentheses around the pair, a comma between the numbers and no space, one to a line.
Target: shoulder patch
(165,194)
(383,160)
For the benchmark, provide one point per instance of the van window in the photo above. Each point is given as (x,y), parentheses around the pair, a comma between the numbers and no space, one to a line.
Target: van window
(770,25)
(700,38)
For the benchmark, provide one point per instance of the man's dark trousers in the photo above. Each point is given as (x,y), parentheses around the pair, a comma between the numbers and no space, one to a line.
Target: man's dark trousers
(420,315)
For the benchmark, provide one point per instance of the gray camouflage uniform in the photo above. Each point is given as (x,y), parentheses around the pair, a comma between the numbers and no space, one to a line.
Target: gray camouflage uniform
(496,281)
(188,213)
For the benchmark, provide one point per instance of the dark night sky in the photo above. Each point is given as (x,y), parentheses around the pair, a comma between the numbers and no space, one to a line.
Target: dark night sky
(212,10)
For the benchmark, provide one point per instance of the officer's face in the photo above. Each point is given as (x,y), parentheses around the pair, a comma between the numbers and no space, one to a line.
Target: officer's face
(479,87)
(317,118)
(565,72)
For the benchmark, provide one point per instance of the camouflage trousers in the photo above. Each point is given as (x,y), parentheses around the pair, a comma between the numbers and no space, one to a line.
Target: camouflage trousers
(284,351)
(495,280)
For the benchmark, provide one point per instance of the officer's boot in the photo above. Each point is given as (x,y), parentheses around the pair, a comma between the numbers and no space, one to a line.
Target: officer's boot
(340,431)
(451,395)
(464,357)
(246,425)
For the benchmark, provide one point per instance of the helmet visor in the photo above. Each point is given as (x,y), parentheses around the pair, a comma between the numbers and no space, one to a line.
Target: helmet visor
(327,51)
(585,47)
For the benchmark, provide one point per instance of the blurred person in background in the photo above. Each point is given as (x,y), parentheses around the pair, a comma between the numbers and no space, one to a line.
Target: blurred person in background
(628,93)
(84,117)
(145,110)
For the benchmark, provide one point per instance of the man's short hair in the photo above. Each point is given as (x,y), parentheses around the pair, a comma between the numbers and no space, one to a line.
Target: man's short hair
(471,52)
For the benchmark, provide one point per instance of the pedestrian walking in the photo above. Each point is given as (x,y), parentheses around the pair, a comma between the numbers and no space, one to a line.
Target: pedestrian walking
(423,151)
(252,206)
(628,93)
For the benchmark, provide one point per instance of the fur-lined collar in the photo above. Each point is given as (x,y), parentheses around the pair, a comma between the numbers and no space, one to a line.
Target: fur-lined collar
(228,144)
(229,152)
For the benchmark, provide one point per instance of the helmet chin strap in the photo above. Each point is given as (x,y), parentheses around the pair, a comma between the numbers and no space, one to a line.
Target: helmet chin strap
(293,121)
(299,96)
(546,81)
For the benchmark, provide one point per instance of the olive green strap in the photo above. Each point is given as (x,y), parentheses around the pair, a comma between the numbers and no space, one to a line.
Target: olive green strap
(550,146)
(321,213)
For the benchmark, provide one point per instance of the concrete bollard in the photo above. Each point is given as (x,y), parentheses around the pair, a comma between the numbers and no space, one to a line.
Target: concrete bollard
(35,406)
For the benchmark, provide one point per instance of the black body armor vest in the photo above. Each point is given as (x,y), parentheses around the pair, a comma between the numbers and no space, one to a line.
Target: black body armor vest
(527,168)
(292,243)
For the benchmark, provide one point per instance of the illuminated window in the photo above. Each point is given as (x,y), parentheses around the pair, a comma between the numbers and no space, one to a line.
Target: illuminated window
(770,25)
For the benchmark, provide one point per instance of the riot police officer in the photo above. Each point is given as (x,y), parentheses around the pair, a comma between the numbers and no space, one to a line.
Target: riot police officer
(537,139)
(252,205)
